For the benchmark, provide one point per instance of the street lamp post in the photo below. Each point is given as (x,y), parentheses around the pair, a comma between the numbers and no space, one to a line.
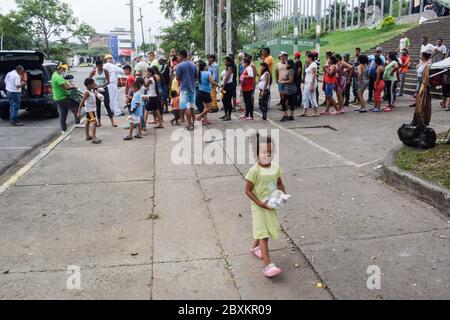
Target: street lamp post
(133,44)
(318,18)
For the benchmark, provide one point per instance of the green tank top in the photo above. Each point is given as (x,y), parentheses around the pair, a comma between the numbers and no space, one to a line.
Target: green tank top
(100,78)
(388,76)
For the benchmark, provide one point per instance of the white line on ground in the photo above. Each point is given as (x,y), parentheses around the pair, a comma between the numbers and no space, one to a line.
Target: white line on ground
(13,180)
(15,148)
(312,143)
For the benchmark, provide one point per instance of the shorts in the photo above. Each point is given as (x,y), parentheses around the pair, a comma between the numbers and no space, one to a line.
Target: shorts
(91,117)
(280,88)
(329,89)
(362,86)
(204,97)
(134,119)
(153,104)
(187,100)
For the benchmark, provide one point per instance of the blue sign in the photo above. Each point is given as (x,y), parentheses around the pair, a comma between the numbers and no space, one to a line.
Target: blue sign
(114,46)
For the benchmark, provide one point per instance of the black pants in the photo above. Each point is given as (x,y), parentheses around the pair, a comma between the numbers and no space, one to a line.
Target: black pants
(264,103)
(228,99)
(289,100)
(371,88)
(347,94)
(391,92)
(248,103)
(107,106)
(299,96)
(64,107)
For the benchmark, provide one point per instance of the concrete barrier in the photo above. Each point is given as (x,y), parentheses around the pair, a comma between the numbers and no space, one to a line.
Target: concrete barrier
(426,191)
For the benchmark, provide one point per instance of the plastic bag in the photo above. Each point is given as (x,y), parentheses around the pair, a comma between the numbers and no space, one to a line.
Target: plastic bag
(277,200)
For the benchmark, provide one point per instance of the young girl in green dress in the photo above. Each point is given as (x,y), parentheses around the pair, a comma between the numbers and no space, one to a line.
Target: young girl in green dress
(262,180)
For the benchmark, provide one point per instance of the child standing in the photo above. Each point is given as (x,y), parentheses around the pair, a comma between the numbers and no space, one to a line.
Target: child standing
(89,102)
(262,180)
(130,80)
(175,108)
(136,112)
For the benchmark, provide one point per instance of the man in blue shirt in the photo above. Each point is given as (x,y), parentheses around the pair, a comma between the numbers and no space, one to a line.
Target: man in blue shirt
(373,70)
(214,70)
(186,74)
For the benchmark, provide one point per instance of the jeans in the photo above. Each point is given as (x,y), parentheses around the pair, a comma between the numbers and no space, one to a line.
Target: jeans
(14,105)
(355,87)
(371,88)
(402,82)
(63,108)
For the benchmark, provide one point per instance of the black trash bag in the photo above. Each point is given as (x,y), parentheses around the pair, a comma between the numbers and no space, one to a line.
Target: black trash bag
(417,136)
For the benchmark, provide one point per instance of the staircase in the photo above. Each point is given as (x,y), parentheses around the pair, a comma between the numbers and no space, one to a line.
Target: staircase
(433,29)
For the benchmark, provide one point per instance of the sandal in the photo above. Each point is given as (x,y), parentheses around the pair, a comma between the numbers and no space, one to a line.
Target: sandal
(257,252)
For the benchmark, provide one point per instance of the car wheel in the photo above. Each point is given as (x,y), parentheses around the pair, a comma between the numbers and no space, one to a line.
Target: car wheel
(4,113)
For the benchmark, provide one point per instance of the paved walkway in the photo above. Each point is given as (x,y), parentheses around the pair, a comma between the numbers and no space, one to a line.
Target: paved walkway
(95,207)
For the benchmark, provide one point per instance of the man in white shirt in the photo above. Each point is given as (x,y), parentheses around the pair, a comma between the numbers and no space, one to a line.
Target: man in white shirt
(114,72)
(440,51)
(14,84)
(427,47)
(140,67)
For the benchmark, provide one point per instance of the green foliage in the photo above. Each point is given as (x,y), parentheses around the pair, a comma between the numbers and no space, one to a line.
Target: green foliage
(180,36)
(388,23)
(51,18)
(15,35)
(243,12)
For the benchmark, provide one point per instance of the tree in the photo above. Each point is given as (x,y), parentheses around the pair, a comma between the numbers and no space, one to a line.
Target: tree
(15,35)
(49,19)
(180,36)
(243,14)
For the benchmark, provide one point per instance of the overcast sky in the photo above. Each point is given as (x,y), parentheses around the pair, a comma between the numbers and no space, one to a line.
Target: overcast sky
(106,15)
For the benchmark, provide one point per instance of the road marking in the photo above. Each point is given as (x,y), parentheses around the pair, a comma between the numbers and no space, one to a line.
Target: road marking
(15,148)
(312,143)
(13,180)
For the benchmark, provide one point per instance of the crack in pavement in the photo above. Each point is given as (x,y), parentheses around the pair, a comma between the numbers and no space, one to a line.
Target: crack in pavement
(375,237)
(216,233)
(141,264)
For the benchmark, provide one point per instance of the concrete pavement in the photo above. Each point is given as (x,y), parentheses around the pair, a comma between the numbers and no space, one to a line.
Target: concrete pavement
(140,227)
(38,129)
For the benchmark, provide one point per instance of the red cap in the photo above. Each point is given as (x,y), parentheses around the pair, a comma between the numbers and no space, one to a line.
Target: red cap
(298,54)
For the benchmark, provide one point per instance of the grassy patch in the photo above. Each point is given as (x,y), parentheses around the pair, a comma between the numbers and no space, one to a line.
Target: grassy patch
(432,165)
(347,41)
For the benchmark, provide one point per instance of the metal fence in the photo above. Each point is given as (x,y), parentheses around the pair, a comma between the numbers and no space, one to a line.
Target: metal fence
(337,15)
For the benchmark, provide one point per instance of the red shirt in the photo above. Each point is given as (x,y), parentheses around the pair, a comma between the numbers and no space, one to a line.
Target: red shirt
(249,83)
(330,79)
(130,80)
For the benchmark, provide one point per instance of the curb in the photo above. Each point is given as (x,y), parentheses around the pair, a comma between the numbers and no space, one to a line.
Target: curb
(428,192)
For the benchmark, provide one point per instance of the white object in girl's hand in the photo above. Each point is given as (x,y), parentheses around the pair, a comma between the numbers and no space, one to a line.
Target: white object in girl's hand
(101,90)
(100,97)
(277,200)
